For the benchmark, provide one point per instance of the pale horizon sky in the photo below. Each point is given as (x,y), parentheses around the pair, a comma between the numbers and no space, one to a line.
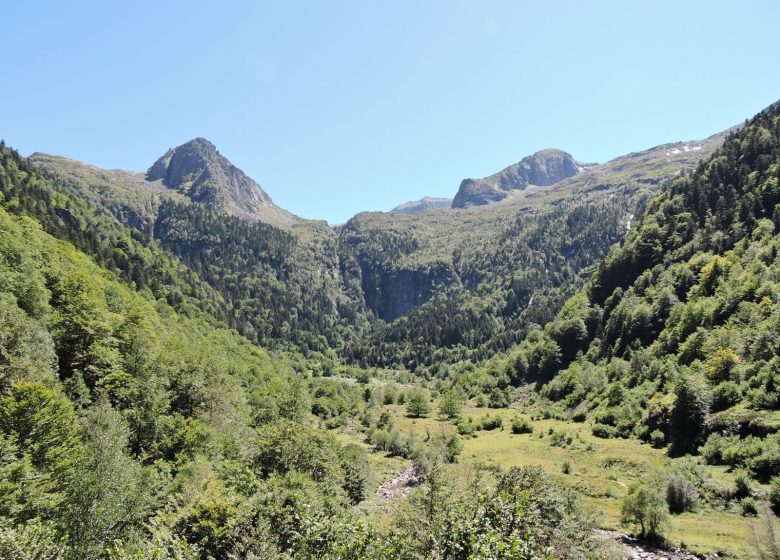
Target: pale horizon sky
(345,106)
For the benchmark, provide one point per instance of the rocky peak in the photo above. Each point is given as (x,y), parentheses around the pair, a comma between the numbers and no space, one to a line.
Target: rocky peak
(197,170)
(544,168)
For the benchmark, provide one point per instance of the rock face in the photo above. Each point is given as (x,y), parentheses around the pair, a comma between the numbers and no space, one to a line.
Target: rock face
(394,293)
(198,171)
(543,168)
(426,203)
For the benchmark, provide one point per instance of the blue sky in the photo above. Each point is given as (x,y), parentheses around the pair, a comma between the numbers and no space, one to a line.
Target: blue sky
(336,107)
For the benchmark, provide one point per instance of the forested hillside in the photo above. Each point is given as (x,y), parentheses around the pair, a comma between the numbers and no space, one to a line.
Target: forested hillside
(464,284)
(674,338)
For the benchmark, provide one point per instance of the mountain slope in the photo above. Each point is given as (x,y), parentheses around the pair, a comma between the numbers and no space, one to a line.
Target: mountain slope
(674,338)
(194,171)
(464,283)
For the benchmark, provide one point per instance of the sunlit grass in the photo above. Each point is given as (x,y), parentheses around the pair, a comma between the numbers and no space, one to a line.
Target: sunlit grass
(602,470)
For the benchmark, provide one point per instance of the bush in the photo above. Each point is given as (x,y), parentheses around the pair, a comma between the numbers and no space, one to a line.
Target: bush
(725,395)
(452,448)
(645,508)
(749,507)
(566,467)
(417,404)
(681,494)
(657,439)
(603,431)
(492,422)
(466,427)
(560,439)
(743,487)
(451,403)
(521,426)
(766,463)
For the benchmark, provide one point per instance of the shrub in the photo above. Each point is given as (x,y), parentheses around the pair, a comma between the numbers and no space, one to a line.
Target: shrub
(417,404)
(645,508)
(560,439)
(492,422)
(681,494)
(389,396)
(578,416)
(452,448)
(657,439)
(521,426)
(451,403)
(725,395)
(566,467)
(766,463)
(466,427)
(748,506)
(354,465)
(743,487)
(712,450)
(603,431)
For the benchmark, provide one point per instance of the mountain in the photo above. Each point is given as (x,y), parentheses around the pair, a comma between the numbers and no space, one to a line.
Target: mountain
(422,205)
(544,168)
(384,288)
(463,284)
(198,171)
(194,171)
(674,337)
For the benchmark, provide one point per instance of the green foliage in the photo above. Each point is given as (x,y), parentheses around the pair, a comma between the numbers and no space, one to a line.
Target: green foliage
(672,338)
(774,493)
(645,509)
(603,431)
(451,403)
(683,484)
(417,404)
(687,422)
(748,506)
(521,425)
(491,422)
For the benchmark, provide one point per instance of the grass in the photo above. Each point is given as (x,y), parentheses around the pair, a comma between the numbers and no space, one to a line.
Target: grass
(601,471)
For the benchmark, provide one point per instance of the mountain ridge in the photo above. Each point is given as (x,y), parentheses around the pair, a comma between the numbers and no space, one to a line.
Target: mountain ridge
(422,205)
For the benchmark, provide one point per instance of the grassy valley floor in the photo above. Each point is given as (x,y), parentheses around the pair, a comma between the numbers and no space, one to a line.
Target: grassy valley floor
(601,470)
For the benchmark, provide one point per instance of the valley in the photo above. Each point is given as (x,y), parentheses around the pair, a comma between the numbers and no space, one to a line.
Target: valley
(550,367)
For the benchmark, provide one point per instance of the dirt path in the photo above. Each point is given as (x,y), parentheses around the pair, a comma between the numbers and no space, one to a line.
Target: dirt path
(639,550)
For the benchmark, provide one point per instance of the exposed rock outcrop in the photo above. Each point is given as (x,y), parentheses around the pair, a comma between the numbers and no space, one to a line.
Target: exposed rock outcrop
(544,168)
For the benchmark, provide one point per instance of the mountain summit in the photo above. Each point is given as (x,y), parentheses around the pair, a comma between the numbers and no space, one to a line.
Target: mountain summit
(197,170)
(544,168)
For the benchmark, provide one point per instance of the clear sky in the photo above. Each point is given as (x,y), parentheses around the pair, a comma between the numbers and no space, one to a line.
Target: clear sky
(340,106)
